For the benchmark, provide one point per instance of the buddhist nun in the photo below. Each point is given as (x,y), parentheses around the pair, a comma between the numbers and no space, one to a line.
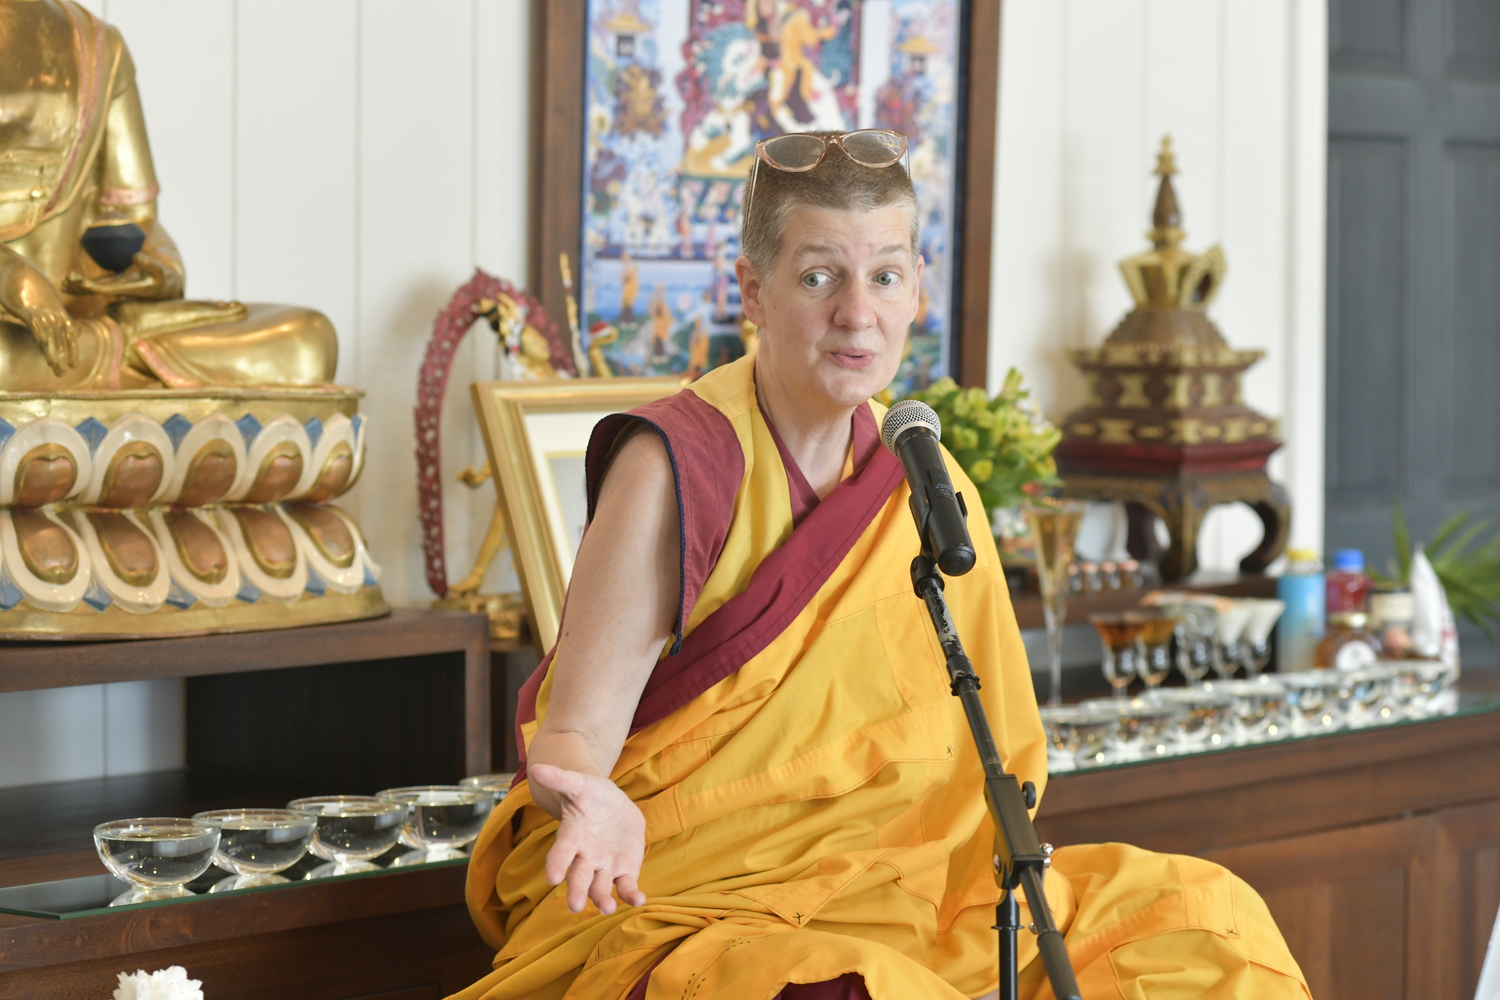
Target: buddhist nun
(744,774)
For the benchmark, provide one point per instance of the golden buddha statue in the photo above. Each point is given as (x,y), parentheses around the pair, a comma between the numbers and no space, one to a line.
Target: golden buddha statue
(91,284)
(165,464)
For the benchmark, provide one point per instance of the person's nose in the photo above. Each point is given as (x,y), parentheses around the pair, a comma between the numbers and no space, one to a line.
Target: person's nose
(856,307)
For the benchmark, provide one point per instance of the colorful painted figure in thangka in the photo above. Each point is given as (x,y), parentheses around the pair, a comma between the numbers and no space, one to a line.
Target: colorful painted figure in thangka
(678,94)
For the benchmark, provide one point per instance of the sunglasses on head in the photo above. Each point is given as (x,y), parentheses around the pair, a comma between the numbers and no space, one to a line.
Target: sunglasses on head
(799,152)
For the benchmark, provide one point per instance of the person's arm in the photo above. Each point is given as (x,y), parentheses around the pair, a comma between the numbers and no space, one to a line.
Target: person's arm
(622,606)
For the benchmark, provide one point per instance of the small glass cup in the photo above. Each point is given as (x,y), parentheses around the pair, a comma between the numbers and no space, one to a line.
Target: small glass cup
(1156,648)
(1313,700)
(442,819)
(1141,726)
(1229,630)
(1120,632)
(1256,647)
(1258,707)
(1202,719)
(256,844)
(496,784)
(158,856)
(352,831)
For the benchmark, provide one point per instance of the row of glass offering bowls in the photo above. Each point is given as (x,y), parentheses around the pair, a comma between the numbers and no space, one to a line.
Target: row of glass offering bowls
(159,856)
(1224,713)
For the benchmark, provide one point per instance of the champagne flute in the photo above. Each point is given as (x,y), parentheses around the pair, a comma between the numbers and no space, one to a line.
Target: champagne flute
(1054,529)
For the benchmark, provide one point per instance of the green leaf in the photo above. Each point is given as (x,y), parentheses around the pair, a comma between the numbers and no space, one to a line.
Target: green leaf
(1449,527)
(1402,537)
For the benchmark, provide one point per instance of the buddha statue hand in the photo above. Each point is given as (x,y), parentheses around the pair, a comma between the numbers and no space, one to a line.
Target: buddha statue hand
(146,278)
(30,299)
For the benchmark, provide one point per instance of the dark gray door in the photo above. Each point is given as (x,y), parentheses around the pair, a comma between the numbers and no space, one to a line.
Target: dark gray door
(1413,270)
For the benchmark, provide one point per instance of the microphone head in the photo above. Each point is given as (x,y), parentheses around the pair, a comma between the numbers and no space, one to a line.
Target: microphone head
(905,414)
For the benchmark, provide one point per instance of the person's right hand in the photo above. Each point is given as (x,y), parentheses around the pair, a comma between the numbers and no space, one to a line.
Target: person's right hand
(600,842)
(30,298)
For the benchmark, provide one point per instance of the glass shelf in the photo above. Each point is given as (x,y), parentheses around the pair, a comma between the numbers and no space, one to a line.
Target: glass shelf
(1469,703)
(68,898)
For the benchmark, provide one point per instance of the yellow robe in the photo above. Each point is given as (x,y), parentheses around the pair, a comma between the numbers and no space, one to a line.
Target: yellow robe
(818,811)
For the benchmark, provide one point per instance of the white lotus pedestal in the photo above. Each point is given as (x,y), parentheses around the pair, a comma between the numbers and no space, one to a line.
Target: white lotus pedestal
(174,512)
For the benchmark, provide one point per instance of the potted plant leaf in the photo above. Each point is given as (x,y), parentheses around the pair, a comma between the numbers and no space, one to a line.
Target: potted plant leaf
(1467,564)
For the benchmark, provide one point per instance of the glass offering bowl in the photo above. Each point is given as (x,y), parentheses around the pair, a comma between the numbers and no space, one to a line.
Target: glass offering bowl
(1422,687)
(442,819)
(1364,695)
(1258,707)
(158,856)
(497,784)
(1076,737)
(1140,726)
(1313,700)
(352,831)
(1202,718)
(255,844)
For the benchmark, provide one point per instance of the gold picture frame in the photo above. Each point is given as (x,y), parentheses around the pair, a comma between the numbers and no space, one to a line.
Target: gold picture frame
(535,434)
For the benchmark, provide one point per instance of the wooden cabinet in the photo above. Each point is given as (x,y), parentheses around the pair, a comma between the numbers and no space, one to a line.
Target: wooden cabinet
(354,707)
(1378,852)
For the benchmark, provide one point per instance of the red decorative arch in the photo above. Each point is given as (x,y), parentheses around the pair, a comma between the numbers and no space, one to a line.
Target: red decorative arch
(432,384)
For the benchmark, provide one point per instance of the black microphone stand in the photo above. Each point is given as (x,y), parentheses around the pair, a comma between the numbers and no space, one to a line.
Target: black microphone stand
(1020,860)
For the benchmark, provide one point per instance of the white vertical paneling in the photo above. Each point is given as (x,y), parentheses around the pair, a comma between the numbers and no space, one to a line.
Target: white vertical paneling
(55,735)
(502,192)
(143,726)
(1087,89)
(416,245)
(1302,353)
(295,158)
(1026,293)
(184,56)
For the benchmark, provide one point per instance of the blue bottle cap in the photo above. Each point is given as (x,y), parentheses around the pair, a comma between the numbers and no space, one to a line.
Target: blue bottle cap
(1349,560)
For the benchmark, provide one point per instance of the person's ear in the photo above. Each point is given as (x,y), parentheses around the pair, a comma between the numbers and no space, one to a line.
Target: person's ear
(750,289)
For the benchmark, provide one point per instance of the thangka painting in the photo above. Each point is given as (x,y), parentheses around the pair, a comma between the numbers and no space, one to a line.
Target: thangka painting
(678,93)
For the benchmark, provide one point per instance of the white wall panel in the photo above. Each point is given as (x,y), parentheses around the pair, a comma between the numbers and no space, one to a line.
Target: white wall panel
(416,245)
(502,196)
(295,159)
(184,52)
(143,726)
(55,735)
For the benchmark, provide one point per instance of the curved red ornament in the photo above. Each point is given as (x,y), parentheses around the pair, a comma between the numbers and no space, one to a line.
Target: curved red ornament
(448,332)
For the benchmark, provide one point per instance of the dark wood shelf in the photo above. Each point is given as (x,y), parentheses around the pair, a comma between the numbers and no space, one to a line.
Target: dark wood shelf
(29,666)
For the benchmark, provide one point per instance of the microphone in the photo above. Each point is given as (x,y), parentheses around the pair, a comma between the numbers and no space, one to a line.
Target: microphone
(912,431)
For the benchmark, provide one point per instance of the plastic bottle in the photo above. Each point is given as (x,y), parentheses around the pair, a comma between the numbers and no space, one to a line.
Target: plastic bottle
(1301,588)
(1348,587)
(1347,646)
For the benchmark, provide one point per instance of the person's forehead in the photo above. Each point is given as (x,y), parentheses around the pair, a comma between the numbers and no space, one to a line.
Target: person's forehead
(814,230)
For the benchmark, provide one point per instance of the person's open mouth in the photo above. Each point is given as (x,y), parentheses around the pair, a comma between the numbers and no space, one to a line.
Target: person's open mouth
(857,360)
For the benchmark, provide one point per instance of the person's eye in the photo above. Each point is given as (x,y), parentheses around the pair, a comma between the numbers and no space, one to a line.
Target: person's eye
(816,279)
(888,279)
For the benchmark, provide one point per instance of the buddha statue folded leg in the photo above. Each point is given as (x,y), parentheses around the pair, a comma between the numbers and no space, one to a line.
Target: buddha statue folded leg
(101,349)
(265,345)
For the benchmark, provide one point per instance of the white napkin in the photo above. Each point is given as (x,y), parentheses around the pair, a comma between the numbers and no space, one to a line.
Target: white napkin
(1434,630)
(165,984)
